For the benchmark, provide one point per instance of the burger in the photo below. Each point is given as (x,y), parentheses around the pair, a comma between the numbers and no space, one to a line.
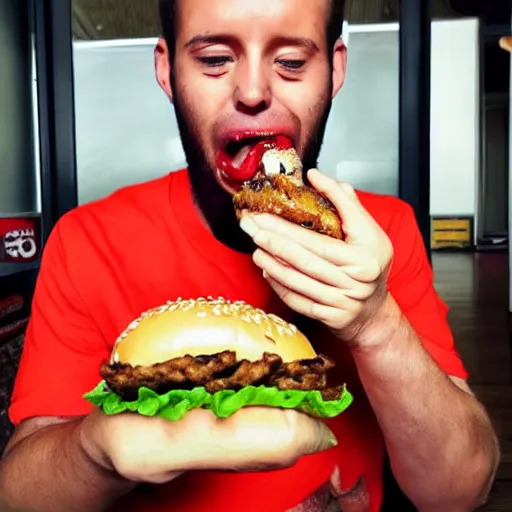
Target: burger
(215,354)
(269,179)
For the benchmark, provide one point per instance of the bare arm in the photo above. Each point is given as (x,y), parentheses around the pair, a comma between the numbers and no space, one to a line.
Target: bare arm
(45,468)
(87,464)
(441,444)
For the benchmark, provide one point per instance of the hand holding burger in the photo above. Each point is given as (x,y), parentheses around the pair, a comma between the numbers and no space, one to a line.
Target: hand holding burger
(210,384)
(155,450)
(319,249)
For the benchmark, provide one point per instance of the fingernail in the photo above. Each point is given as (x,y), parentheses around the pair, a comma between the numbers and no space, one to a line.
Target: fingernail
(248,225)
(328,438)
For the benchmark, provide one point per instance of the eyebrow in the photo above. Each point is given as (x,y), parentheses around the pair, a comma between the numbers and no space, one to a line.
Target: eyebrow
(226,39)
(208,39)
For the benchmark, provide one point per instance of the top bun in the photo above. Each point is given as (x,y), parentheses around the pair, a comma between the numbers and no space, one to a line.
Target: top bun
(208,326)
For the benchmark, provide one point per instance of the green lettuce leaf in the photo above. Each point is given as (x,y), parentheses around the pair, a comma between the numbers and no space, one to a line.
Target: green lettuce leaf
(175,404)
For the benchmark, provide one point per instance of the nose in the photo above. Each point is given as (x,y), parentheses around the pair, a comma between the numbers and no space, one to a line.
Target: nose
(253,90)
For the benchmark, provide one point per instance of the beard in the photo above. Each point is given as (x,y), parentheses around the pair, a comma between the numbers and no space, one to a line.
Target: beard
(215,204)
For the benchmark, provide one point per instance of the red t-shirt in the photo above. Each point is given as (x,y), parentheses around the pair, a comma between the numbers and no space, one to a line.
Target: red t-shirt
(108,261)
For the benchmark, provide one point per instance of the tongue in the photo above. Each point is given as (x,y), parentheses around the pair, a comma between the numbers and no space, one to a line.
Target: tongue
(241,156)
(245,164)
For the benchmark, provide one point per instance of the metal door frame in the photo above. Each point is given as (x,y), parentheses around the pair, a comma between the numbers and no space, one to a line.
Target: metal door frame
(53,41)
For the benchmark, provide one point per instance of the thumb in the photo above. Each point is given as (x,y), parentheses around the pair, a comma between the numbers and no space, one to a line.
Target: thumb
(358,225)
(258,439)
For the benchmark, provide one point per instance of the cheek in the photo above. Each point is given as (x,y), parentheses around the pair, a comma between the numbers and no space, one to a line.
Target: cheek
(308,99)
(203,101)
(310,111)
(196,107)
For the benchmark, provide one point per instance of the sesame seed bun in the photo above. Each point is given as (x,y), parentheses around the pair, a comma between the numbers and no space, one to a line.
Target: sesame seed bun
(208,326)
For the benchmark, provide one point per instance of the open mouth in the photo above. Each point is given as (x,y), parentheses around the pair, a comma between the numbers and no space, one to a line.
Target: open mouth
(238,150)
(241,158)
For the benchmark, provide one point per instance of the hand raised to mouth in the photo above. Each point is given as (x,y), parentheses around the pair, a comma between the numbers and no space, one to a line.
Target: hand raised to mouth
(340,282)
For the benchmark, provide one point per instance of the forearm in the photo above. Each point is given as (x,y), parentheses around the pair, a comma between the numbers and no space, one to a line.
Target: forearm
(50,471)
(441,445)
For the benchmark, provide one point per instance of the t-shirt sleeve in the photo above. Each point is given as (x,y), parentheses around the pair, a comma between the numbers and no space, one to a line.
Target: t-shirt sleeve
(63,349)
(411,284)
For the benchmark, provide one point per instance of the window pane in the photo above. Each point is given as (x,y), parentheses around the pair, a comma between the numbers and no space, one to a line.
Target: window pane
(17,168)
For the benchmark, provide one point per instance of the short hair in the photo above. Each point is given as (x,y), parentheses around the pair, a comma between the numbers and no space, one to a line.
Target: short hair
(168,16)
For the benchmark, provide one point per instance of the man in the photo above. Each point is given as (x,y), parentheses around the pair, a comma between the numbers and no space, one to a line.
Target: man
(234,66)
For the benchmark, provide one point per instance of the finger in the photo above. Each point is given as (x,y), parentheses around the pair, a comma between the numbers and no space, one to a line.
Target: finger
(295,255)
(332,317)
(353,264)
(253,439)
(326,248)
(358,225)
(334,296)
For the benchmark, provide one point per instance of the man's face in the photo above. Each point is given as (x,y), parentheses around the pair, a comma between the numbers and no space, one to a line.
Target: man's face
(249,66)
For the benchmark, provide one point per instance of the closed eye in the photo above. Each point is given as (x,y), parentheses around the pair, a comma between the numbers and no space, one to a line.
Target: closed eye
(214,62)
(292,65)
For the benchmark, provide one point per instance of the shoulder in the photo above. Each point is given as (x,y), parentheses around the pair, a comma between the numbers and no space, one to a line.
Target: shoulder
(393,214)
(109,228)
(120,214)
(127,200)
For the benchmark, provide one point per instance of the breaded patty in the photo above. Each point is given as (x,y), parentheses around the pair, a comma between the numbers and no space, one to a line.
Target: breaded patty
(298,204)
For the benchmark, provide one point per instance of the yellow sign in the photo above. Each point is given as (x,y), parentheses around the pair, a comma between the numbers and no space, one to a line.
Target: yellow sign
(451,232)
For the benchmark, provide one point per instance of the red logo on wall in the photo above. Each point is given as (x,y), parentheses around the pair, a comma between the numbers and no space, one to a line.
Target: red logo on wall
(19,239)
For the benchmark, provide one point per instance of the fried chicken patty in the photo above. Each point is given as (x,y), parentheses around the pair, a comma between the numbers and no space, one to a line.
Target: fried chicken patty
(298,204)
(218,372)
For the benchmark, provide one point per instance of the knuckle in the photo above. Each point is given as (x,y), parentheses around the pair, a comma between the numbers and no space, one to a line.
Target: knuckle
(262,238)
(375,270)
(271,242)
(330,251)
(127,467)
(306,264)
(340,301)
(320,313)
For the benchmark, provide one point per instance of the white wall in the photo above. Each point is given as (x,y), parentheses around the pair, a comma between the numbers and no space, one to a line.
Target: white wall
(361,142)
(455,122)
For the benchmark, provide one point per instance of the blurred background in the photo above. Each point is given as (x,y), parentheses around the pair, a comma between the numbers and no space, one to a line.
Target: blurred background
(424,115)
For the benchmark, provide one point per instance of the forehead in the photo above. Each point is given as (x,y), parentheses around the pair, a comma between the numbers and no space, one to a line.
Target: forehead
(246,18)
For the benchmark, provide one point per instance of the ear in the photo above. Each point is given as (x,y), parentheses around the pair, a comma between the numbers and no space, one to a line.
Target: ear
(163,67)
(339,66)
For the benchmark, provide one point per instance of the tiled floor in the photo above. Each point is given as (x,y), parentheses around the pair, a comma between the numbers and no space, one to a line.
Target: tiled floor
(475,286)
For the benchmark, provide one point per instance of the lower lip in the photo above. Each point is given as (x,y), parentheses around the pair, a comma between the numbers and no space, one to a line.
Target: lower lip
(230,186)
